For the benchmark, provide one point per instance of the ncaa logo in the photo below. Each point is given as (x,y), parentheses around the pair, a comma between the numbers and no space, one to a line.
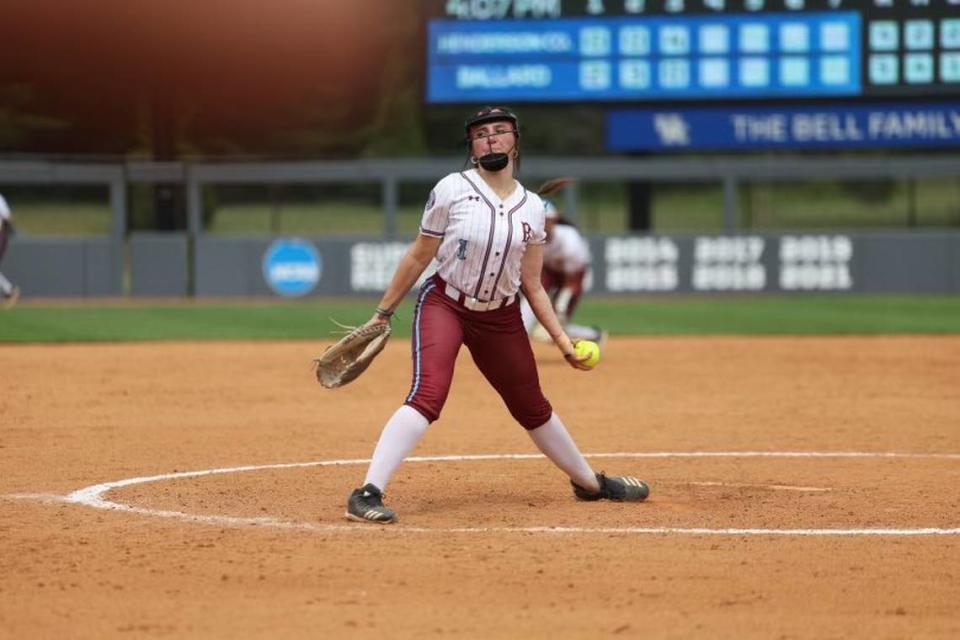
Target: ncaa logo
(292,267)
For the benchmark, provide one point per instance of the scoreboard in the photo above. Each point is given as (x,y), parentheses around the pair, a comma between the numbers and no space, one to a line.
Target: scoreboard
(645,51)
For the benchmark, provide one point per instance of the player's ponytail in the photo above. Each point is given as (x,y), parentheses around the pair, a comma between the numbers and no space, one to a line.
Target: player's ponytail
(552,186)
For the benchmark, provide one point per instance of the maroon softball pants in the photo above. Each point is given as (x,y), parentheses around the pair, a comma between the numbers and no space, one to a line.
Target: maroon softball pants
(496,340)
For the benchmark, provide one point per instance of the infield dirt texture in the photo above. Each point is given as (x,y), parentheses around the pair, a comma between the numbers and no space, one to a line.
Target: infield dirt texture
(476,553)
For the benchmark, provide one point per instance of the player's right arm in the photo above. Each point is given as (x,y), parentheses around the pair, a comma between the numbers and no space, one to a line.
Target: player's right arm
(423,250)
(412,265)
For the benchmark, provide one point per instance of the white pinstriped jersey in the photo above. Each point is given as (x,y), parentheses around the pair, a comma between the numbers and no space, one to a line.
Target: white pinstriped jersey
(484,237)
(567,251)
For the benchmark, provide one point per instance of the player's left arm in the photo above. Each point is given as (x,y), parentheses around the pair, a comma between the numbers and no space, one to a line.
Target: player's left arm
(530,269)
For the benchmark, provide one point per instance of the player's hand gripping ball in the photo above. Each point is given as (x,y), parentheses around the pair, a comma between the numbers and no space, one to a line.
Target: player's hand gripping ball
(590,350)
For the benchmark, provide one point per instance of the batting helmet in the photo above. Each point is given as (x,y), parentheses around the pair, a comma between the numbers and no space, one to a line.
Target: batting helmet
(492,114)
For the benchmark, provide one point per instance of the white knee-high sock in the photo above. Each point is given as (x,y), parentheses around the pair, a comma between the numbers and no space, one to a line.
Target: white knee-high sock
(5,286)
(555,442)
(400,435)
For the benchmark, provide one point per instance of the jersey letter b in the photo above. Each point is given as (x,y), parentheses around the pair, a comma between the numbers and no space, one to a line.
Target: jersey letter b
(462,250)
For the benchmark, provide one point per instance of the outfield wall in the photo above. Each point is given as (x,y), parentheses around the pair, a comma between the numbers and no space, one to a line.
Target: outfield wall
(780,264)
(195,262)
(65,267)
(171,265)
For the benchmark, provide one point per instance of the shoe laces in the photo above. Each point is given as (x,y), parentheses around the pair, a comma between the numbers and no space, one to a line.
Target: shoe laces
(372,497)
(609,487)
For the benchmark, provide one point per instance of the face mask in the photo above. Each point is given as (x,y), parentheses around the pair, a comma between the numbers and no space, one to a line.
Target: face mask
(493,161)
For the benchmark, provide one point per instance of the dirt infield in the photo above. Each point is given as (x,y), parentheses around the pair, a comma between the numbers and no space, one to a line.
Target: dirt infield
(732,545)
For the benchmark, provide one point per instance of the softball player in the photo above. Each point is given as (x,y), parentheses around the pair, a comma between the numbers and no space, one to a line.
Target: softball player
(9,291)
(487,233)
(566,267)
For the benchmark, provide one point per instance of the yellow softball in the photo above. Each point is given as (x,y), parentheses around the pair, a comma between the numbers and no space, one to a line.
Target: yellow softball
(589,349)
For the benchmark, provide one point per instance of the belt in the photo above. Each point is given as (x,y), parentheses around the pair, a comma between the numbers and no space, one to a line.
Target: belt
(472,303)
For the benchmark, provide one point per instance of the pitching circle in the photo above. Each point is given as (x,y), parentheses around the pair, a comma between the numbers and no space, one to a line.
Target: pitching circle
(94,496)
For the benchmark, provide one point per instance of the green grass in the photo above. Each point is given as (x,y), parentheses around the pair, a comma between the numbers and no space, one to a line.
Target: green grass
(306,218)
(682,208)
(63,218)
(805,315)
(601,208)
(182,321)
(850,205)
(814,315)
(676,209)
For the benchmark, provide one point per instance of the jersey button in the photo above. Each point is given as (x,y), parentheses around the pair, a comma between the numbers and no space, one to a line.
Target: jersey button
(498,253)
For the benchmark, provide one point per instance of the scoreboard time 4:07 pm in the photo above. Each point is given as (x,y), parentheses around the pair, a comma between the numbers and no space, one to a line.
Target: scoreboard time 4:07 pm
(691,50)
(513,9)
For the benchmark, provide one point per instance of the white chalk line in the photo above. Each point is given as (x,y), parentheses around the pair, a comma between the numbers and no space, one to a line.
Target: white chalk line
(93,496)
(774,487)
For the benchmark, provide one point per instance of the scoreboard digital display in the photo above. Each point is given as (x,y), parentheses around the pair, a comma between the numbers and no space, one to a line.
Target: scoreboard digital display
(691,50)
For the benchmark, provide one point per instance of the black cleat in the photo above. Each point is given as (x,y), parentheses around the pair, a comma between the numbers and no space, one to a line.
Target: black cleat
(366,505)
(616,488)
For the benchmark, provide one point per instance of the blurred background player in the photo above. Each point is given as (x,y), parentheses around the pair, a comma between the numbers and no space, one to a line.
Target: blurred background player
(8,290)
(566,269)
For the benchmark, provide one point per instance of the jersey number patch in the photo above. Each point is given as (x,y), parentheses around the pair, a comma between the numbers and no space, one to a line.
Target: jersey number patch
(462,250)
